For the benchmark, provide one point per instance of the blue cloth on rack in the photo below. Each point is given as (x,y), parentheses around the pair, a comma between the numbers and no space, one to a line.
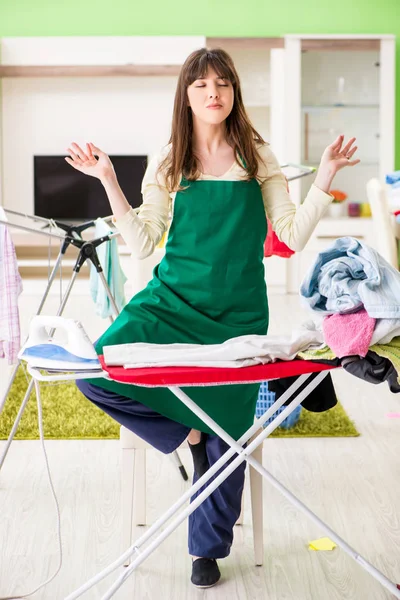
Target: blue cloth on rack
(349,275)
(115,277)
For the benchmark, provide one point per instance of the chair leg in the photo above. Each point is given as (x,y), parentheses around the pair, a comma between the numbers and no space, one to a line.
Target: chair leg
(127,489)
(240,519)
(256,490)
(139,488)
(175,456)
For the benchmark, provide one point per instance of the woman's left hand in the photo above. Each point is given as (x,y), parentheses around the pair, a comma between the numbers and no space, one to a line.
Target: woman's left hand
(335,157)
(333,160)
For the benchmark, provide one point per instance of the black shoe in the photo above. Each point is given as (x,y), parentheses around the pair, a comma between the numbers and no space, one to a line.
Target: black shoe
(205,572)
(199,453)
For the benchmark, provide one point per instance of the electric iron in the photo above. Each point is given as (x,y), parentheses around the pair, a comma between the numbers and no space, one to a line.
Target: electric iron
(42,352)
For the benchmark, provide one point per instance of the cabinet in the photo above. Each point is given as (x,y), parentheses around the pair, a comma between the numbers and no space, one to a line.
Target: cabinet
(333,85)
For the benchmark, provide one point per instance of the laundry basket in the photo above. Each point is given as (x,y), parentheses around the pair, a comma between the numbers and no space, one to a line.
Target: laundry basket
(265,401)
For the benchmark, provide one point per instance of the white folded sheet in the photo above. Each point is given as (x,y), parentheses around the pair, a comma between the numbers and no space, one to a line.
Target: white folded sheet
(242,351)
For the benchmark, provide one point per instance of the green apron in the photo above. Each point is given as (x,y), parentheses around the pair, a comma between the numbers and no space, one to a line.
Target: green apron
(209,287)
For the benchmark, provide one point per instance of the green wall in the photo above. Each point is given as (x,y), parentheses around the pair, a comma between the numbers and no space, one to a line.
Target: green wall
(205,17)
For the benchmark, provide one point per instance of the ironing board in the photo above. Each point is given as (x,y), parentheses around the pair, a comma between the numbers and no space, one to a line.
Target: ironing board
(174,378)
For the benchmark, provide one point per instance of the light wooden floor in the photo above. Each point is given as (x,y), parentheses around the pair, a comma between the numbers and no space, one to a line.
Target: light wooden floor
(353,484)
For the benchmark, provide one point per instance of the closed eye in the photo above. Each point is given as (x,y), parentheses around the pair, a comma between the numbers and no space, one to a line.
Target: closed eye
(219,85)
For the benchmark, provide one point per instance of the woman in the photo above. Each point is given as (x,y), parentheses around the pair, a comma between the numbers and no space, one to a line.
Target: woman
(220,179)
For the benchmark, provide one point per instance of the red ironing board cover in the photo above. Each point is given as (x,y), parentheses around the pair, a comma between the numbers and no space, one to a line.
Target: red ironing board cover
(197,376)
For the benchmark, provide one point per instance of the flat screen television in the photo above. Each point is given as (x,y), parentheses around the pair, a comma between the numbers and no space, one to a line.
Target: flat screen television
(65,194)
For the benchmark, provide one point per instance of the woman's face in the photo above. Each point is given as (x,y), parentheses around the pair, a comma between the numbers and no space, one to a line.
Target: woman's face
(211,99)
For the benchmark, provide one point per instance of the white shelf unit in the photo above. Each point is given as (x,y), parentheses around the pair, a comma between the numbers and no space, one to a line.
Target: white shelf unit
(339,84)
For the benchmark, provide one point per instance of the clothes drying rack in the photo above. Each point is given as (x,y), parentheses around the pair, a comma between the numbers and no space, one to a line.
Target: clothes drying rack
(87,251)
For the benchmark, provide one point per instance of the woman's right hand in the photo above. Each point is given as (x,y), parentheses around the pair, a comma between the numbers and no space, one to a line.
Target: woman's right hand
(87,163)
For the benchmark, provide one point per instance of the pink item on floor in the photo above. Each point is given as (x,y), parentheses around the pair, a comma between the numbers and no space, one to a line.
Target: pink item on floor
(349,334)
(10,289)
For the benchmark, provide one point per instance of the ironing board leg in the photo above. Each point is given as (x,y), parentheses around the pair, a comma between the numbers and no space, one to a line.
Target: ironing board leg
(256,482)
(243,454)
(203,480)
(235,448)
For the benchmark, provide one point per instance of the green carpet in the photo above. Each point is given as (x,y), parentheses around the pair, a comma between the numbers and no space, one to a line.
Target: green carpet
(67,414)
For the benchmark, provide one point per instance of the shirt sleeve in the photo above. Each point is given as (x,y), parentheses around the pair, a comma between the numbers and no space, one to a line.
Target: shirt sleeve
(293,225)
(143,228)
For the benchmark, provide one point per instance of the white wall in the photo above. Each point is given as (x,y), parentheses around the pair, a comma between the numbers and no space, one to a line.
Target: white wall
(122,115)
(44,115)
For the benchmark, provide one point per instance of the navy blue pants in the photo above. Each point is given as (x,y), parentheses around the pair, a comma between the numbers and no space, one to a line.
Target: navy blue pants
(211,524)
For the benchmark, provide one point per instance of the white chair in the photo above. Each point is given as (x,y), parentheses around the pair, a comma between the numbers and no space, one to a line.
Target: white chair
(383,221)
(133,487)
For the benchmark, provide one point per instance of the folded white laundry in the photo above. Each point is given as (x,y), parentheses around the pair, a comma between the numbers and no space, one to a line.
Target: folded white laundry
(242,351)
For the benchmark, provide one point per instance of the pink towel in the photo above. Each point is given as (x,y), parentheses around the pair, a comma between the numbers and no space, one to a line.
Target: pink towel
(10,289)
(349,334)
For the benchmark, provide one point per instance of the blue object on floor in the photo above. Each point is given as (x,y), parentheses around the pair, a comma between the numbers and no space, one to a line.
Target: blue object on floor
(265,401)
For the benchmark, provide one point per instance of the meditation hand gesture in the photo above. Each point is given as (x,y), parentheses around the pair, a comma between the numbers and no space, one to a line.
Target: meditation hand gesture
(333,159)
(87,163)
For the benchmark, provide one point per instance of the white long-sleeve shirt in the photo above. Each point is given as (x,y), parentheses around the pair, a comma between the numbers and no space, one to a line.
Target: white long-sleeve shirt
(142,230)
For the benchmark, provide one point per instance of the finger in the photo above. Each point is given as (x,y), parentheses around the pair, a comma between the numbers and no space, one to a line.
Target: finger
(337,143)
(352,151)
(96,149)
(351,163)
(348,146)
(80,152)
(73,163)
(74,156)
(89,151)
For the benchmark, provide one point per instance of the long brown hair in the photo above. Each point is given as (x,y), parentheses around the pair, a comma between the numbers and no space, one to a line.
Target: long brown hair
(240,134)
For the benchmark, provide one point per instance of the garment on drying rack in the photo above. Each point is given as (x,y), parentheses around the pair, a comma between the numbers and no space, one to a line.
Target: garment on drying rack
(10,289)
(115,277)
